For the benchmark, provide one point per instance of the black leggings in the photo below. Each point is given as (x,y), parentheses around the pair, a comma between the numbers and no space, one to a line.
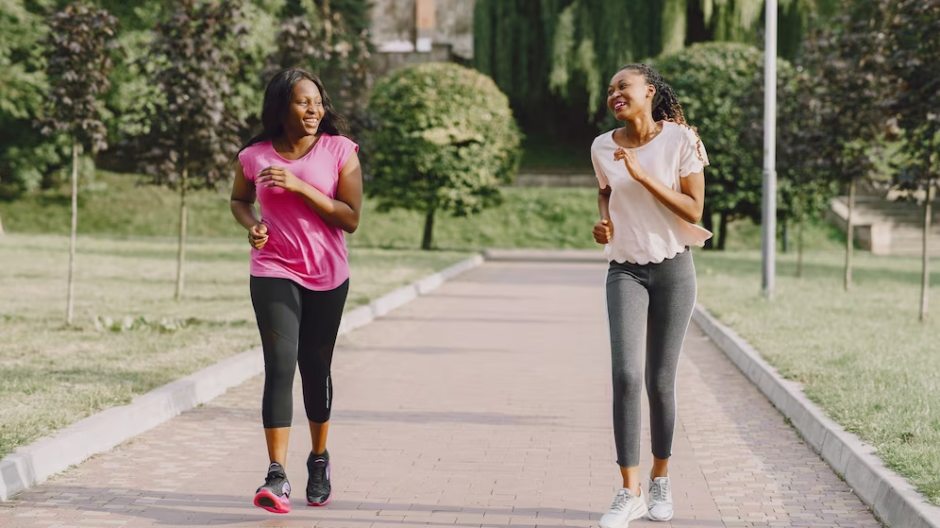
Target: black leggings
(298,327)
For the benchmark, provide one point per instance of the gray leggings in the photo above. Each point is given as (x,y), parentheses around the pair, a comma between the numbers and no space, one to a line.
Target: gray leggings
(659,299)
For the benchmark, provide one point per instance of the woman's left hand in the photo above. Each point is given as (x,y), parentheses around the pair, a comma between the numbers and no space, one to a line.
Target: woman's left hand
(628,156)
(280,177)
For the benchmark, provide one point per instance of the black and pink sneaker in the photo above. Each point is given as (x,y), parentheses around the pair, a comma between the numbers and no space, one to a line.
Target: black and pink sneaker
(319,490)
(274,495)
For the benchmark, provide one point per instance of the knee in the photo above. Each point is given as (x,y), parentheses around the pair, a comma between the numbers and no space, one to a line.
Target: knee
(627,382)
(661,388)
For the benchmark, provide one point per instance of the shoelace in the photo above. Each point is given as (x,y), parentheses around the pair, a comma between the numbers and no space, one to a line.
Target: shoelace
(620,501)
(273,478)
(659,490)
(319,473)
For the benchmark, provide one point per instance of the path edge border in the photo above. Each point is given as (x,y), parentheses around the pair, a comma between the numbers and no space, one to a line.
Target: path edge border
(890,496)
(32,464)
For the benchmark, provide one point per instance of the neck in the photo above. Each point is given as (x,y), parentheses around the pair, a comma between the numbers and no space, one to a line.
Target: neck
(295,142)
(640,127)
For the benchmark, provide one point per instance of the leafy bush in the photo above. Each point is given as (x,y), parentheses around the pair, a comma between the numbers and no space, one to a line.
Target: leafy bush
(717,85)
(445,141)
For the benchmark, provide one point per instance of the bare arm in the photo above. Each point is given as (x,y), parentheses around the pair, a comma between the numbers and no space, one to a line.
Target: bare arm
(342,211)
(604,229)
(243,199)
(242,205)
(687,203)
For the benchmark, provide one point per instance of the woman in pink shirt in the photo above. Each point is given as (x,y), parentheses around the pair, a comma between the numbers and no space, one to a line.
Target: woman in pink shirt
(307,179)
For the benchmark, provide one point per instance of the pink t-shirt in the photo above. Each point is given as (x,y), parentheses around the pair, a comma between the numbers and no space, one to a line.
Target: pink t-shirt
(301,247)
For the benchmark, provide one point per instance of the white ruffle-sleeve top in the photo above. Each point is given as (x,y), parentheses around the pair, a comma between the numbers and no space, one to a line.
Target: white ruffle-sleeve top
(644,229)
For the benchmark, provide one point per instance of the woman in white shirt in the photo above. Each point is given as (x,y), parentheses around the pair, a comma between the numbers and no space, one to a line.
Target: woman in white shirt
(652,192)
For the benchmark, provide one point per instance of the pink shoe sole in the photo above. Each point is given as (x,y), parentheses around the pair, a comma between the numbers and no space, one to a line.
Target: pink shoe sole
(266,500)
(322,504)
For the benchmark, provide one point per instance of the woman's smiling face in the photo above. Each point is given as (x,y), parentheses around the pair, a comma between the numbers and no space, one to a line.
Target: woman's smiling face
(629,94)
(305,110)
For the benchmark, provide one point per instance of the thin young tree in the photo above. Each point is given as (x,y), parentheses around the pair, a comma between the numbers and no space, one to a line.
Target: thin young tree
(911,40)
(844,58)
(194,133)
(807,181)
(79,45)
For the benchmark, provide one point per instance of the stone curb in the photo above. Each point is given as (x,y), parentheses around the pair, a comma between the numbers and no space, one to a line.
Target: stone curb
(892,498)
(33,464)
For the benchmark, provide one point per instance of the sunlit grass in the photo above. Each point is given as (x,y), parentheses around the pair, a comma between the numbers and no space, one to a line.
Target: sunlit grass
(52,376)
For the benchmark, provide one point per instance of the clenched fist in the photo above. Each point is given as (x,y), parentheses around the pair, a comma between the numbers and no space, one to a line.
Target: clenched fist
(603,232)
(258,236)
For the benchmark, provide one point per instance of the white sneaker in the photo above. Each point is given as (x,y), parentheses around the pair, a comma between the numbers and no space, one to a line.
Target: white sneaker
(660,508)
(626,507)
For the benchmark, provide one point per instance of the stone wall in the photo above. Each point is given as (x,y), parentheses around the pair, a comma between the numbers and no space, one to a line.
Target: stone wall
(414,31)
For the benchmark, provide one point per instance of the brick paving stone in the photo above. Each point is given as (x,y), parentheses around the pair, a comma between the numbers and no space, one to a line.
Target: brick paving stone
(484,404)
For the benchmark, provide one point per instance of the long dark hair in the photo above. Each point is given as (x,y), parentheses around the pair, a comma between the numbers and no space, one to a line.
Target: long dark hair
(277,97)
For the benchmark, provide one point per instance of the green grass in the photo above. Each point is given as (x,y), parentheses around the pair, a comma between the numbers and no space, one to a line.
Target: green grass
(861,355)
(112,205)
(52,376)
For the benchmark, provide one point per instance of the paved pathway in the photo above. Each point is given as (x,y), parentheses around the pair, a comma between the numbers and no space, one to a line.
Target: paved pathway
(485,404)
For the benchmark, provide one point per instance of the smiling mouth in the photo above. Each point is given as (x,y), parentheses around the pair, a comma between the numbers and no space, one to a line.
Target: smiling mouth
(312,121)
(618,105)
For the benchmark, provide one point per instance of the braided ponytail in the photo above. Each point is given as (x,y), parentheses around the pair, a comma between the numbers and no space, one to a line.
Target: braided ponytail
(666,105)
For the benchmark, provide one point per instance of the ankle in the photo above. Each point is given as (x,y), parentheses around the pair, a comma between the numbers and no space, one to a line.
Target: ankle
(635,489)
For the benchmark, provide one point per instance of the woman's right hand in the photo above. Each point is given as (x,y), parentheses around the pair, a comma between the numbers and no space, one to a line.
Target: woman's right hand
(603,232)
(258,235)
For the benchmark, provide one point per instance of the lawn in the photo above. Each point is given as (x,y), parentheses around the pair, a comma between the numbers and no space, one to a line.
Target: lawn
(114,205)
(861,355)
(52,376)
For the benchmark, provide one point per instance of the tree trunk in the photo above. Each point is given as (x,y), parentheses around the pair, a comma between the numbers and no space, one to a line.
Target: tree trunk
(71,287)
(849,238)
(785,229)
(181,255)
(673,26)
(428,230)
(925,275)
(799,249)
(724,219)
(708,222)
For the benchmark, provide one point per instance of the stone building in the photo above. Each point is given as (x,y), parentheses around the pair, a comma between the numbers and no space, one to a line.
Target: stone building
(414,31)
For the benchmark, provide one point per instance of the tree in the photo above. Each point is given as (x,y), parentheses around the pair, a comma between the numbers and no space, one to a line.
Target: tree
(80,39)
(331,40)
(717,85)
(807,182)
(445,141)
(193,134)
(911,51)
(25,155)
(539,51)
(845,58)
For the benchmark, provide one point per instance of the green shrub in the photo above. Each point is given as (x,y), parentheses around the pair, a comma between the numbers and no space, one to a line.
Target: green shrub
(719,87)
(445,141)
